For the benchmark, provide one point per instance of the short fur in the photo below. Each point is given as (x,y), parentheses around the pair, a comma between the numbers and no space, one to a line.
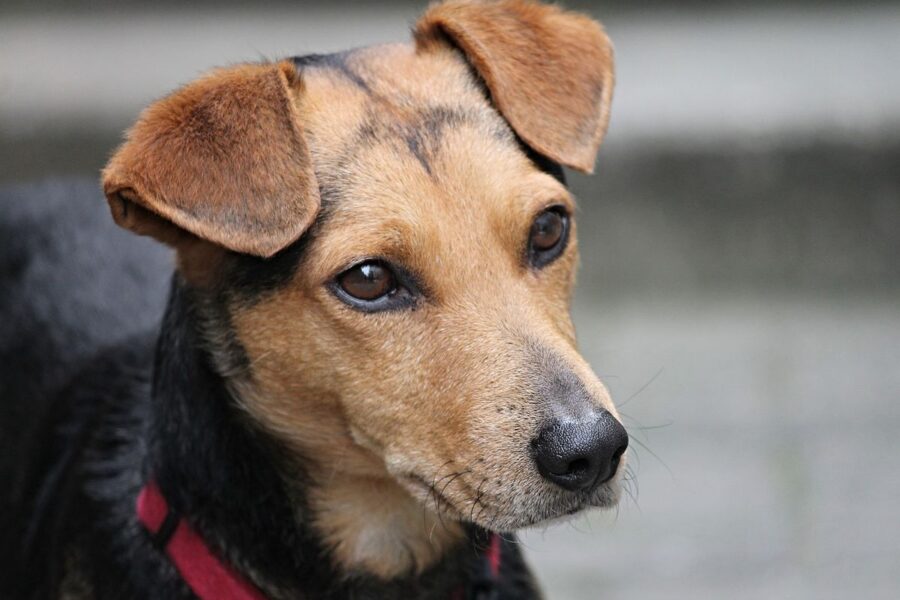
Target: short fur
(320,450)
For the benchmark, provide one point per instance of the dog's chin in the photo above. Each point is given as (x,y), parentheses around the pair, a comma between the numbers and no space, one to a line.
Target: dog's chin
(559,507)
(564,509)
(607,497)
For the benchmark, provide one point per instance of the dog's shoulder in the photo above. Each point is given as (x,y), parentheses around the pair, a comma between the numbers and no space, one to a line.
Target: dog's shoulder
(71,284)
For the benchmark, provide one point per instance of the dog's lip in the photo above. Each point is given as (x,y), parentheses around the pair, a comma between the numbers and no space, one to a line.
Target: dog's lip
(606,499)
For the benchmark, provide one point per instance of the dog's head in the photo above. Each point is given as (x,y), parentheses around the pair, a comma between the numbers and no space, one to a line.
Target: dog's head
(386,253)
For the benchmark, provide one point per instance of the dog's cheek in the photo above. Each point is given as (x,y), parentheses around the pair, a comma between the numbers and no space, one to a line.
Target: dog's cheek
(290,387)
(404,406)
(338,379)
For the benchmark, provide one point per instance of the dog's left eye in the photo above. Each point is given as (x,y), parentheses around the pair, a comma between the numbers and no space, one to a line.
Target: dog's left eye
(372,286)
(548,236)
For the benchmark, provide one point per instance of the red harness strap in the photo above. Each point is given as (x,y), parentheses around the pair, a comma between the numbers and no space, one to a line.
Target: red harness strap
(211,579)
(492,554)
(207,576)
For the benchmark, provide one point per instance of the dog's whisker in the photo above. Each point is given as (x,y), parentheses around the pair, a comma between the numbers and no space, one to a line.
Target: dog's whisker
(574,525)
(437,507)
(439,498)
(642,388)
(477,500)
(452,479)
(652,427)
(628,491)
(431,533)
(653,454)
(635,426)
(631,477)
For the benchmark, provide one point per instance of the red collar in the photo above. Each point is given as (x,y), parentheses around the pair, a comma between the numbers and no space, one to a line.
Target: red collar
(203,572)
(211,579)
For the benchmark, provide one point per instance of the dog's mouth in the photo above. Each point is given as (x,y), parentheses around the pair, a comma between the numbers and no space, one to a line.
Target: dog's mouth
(504,511)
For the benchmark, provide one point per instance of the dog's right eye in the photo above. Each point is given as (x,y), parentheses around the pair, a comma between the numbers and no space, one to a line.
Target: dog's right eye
(371,286)
(368,281)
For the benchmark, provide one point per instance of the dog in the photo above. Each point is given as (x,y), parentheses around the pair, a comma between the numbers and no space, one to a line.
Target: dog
(366,375)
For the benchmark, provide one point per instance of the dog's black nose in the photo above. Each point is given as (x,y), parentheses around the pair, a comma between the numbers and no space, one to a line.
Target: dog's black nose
(579,455)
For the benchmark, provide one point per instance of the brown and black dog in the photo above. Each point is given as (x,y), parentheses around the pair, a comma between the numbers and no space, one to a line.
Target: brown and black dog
(367,362)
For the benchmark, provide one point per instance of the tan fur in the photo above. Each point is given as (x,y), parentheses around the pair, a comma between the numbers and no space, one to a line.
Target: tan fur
(224,158)
(410,421)
(550,72)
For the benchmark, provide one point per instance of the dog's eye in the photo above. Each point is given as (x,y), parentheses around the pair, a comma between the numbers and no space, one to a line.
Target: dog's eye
(368,281)
(375,285)
(548,236)
(547,230)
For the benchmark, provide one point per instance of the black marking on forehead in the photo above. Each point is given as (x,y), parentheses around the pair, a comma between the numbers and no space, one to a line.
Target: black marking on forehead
(433,120)
(423,135)
(417,148)
(336,62)
(421,131)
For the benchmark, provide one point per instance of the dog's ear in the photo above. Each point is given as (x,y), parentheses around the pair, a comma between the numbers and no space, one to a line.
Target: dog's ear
(223,159)
(549,72)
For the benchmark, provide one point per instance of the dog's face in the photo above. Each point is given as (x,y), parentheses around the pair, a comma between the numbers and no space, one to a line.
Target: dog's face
(414,343)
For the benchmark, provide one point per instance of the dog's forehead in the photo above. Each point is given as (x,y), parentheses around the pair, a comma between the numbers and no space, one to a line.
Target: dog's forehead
(388,69)
(390,77)
(391,94)
(409,153)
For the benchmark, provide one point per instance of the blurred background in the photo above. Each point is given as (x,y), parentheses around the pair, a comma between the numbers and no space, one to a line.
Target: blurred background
(740,286)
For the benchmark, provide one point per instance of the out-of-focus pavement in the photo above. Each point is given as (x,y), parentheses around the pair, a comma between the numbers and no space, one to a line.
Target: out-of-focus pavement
(740,289)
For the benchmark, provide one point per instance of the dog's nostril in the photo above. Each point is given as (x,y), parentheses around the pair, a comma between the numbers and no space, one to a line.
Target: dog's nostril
(580,455)
(578,465)
(617,456)
(614,464)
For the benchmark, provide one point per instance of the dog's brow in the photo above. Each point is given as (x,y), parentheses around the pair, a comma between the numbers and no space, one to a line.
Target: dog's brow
(337,62)
(422,130)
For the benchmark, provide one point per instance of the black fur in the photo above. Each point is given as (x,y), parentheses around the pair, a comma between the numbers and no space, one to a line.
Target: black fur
(250,278)
(336,61)
(142,404)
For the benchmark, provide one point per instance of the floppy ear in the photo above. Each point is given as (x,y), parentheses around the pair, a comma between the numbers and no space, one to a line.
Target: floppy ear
(224,159)
(549,72)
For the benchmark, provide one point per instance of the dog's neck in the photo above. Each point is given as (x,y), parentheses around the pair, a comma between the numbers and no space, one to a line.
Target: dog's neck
(246,495)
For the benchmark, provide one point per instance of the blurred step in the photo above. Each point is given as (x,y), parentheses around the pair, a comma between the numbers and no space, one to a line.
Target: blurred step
(690,74)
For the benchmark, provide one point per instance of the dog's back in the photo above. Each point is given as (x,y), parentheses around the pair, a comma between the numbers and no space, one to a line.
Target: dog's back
(71,283)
